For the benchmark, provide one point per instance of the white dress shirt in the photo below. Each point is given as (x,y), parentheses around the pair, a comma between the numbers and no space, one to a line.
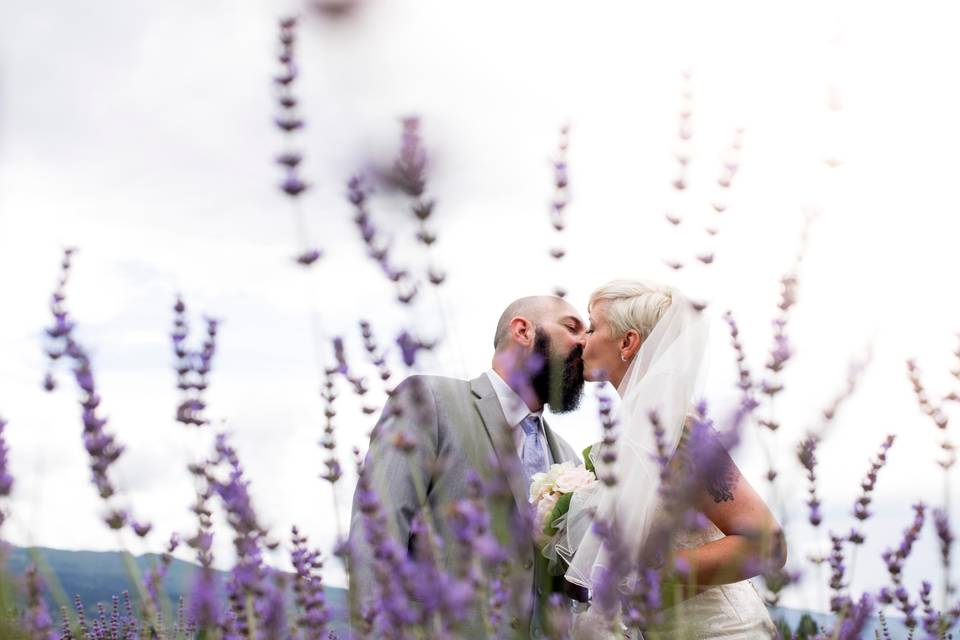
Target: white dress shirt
(515,410)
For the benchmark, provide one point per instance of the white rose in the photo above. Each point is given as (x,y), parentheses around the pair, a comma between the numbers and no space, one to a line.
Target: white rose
(541,483)
(538,486)
(573,478)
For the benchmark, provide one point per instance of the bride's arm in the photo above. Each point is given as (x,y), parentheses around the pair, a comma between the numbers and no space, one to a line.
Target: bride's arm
(753,538)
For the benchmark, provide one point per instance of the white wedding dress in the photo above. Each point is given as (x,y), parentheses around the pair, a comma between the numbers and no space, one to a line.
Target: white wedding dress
(734,611)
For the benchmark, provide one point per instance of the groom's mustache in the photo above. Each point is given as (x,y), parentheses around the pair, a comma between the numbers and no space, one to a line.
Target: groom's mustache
(576,358)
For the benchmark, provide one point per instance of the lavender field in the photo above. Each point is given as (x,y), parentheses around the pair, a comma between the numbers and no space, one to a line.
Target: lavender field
(228,233)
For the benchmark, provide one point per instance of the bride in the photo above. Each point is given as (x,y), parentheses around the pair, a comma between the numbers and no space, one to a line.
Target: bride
(649,341)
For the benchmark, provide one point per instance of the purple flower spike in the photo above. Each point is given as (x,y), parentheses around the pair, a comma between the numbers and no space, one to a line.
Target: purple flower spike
(307,258)
(335,9)
(358,193)
(945,535)
(37,620)
(409,347)
(290,123)
(806,452)
(101,446)
(308,589)
(290,159)
(856,619)
(6,480)
(560,199)
(746,381)
(248,573)
(293,186)
(192,367)
(936,413)
(860,507)
(409,169)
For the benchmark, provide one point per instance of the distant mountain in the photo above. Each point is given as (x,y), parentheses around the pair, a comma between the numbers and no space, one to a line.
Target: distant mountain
(895,627)
(97,576)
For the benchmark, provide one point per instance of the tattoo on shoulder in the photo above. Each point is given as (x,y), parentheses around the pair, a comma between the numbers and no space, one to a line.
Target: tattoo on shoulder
(721,486)
(711,462)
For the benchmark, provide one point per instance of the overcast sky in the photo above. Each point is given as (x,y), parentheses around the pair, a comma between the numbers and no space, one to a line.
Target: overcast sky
(141,134)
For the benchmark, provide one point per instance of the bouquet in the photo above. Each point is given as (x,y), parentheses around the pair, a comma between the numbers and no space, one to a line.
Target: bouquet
(550,495)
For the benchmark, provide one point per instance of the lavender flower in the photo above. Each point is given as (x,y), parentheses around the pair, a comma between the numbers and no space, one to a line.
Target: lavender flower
(856,618)
(608,425)
(288,122)
(154,578)
(806,452)
(6,480)
(247,576)
(205,600)
(945,536)
(358,192)
(409,173)
(561,198)
(101,445)
(860,507)
(684,134)
(895,559)
(335,9)
(410,347)
(780,352)
(746,381)
(497,600)
(935,412)
(291,123)
(192,367)
(308,257)
(838,601)
(328,442)
(36,622)
(270,605)
(409,169)
(308,587)
(377,358)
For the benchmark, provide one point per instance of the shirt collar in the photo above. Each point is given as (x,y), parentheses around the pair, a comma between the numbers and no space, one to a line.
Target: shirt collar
(514,408)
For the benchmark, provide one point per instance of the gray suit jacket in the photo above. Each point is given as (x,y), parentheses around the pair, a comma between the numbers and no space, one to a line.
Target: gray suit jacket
(452,426)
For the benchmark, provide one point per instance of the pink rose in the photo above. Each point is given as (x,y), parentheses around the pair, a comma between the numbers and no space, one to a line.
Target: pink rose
(572,479)
(544,508)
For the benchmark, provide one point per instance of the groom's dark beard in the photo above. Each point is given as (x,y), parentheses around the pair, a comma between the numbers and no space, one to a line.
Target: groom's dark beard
(559,383)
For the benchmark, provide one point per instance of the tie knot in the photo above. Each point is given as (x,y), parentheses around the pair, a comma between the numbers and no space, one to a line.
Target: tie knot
(530,424)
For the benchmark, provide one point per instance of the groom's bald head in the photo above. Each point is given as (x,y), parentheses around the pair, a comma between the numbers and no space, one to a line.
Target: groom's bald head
(536,309)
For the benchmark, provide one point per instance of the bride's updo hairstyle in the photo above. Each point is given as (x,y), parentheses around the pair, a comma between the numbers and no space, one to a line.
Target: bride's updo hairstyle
(633,304)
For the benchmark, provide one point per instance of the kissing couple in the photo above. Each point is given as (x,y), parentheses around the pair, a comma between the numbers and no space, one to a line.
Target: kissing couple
(445,540)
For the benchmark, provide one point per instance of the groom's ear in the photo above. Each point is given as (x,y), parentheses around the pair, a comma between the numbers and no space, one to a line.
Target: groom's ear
(522,331)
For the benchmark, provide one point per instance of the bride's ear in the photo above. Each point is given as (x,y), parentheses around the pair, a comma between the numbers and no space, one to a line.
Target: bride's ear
(629,345)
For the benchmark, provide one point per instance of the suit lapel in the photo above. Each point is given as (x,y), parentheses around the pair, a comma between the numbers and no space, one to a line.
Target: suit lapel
(498,431)
(556,452)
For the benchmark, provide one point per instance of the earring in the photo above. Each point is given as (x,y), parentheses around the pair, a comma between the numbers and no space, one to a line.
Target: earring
(623,358)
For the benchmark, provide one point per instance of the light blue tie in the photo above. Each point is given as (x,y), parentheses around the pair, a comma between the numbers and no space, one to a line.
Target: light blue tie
(533,456)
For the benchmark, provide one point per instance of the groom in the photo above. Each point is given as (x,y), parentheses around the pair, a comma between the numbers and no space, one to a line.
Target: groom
(434,430)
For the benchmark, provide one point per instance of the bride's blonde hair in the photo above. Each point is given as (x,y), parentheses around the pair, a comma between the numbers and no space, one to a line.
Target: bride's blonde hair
(634,304)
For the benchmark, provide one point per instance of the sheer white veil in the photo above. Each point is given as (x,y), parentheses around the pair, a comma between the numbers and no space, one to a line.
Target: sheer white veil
(667,377)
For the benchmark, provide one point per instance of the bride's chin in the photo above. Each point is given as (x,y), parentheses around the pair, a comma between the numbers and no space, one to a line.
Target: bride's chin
(595,375)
